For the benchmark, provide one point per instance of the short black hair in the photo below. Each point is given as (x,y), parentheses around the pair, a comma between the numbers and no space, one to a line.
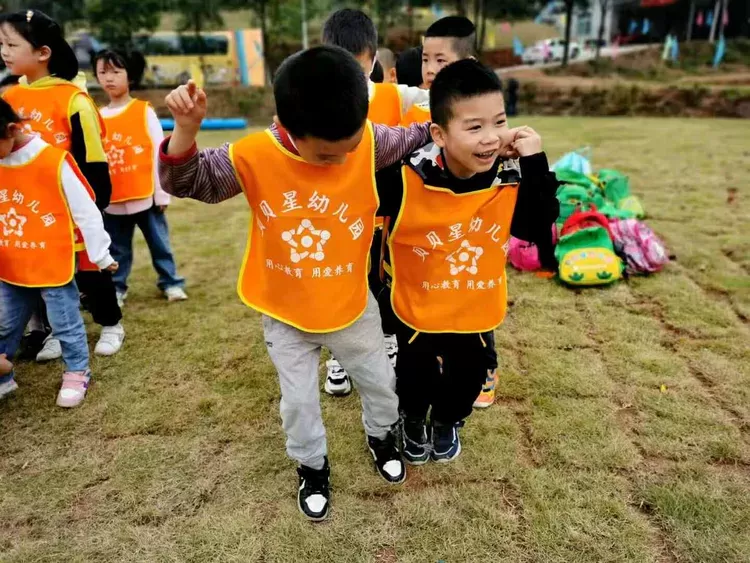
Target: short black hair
(10,80)
(463,79)
(321,92)
(39,30)
(351,30)
(409,67)
(133,63)
(460,30)
(7,116)
(377,75)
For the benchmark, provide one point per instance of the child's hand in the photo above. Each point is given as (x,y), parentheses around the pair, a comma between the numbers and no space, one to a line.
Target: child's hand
(113,267)
(5,366)
(188,105)
(526,141)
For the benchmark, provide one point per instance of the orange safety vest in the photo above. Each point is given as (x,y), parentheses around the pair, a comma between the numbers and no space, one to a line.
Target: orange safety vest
(385,106)
(311,227)
(130,153)
(448,254)
(46,111)
(36,226)
(417,113)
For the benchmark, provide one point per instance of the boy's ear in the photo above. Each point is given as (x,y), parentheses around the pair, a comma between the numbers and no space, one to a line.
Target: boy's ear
(438,135)
(392,76)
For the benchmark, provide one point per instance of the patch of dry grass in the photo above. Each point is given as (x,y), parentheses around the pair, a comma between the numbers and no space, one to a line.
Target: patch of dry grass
(178,454)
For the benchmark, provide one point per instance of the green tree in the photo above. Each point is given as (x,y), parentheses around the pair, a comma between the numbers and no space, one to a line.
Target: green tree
(115,21)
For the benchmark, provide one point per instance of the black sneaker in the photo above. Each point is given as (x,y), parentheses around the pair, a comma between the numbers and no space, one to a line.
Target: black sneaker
(415,442)
(446,444)
(387,458)
(314,493)
(31,345)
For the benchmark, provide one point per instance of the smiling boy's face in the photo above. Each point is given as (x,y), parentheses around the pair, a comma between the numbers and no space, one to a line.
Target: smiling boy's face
(475,136)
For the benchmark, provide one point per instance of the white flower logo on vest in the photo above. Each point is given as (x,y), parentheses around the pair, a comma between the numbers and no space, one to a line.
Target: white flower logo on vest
(306,242)
(465,258)
(12,223)
(115,156)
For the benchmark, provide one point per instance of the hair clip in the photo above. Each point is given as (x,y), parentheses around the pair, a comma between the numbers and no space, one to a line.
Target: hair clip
(29,15)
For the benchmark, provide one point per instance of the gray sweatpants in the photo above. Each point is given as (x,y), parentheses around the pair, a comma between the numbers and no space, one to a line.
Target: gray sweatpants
(360,349)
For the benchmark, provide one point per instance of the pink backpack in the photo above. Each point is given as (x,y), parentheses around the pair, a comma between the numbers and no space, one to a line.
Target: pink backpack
(524,255)
(642,250)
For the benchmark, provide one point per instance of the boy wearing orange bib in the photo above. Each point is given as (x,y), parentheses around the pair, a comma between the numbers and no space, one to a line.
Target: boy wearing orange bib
(43,198)
(133,137)
(460,198)
(354,31)
(309,181)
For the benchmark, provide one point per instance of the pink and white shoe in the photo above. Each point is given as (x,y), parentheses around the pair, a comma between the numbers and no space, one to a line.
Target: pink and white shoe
(74,387)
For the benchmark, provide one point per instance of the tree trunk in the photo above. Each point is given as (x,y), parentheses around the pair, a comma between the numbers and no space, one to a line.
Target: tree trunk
(568,25)
(604,9)
(691,20)
(264,34)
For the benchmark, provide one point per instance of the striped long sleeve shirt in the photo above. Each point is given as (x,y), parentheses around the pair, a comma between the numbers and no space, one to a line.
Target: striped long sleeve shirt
(208,175)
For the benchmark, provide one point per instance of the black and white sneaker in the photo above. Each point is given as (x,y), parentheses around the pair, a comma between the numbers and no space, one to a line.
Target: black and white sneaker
(415,442)
(388,460)
(314,492)
(338,383)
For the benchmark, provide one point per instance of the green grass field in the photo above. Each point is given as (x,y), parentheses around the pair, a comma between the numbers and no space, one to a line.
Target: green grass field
(621,432)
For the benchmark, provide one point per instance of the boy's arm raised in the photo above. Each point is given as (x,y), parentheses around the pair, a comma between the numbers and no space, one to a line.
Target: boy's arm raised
(394,143)
(206,175)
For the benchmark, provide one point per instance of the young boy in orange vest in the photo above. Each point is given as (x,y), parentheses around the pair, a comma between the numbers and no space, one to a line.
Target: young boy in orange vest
(448,40)
(459,200)
(133,138)
(310,184)
(43,198)
(354,31)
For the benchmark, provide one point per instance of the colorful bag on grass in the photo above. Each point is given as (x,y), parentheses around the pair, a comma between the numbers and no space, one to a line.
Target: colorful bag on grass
(524,255)
(572,197)
(617,190)
(577,160)
(643,251)
(585,251)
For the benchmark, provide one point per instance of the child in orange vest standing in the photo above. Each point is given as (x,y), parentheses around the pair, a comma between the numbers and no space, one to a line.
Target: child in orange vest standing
(65,117)
(43,197)
(310,184)
(354,31)
(133,138)
(459,200)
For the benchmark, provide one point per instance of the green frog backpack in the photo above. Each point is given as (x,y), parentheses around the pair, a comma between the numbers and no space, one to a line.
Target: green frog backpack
(585,252)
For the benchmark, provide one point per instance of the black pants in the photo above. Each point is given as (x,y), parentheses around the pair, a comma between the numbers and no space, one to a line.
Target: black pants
(101,298)
(451,388)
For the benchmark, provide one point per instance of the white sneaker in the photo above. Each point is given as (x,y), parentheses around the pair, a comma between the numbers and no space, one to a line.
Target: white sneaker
(175,293)
(51,350)
(337,380)
(121,297)
(391,348)
(8,387)
(110,340)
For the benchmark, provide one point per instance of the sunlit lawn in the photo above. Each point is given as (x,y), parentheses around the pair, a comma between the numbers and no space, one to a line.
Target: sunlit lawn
(622,430)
